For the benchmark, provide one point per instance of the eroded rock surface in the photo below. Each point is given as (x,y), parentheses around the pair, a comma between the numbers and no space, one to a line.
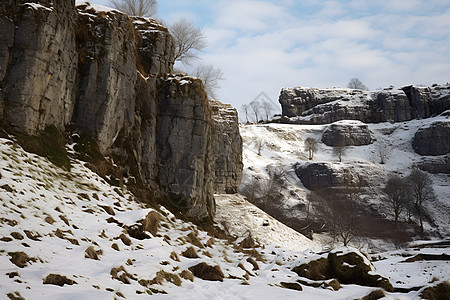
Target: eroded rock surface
(347,133)
(433,139)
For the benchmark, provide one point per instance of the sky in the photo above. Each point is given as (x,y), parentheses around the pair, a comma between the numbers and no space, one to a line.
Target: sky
(264,46)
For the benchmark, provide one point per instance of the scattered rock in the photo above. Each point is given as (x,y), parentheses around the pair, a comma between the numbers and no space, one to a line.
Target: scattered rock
(247,243)
(108,209)
(190,253)
(207,272)
(349,268)
(186,274)
(292,286)
(151,222)
(7,188)
(17,235)
(194,240)
(32,235)
(125,239)
(56,279)
(121,274)
(253,263)
(162,276)
(20,259)
(49,220)
(136,231)
(91,253)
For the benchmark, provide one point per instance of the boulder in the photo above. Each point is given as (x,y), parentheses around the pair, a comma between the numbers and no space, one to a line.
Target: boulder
(433,139)
(348,268)
(207,272)
(347,133)
(435,164)
(316,176)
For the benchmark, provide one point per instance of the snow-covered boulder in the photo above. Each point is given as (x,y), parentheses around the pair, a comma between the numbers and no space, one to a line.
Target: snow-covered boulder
(347,133)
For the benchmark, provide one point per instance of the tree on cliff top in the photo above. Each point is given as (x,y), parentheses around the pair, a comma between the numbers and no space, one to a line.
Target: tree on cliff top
(357,84)
(140,8)
(188,39)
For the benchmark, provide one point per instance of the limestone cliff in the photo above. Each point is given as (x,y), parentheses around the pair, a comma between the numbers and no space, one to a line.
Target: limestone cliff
(109,76)
(321,106)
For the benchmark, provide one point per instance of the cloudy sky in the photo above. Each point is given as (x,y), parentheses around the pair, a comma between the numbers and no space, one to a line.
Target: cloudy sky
(263,46)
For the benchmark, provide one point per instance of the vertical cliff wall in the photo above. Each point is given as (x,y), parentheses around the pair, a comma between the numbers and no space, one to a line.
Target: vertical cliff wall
(108,76)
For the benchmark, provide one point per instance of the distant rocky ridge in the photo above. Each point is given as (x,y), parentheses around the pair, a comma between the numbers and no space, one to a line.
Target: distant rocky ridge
(108,75)
(302,105)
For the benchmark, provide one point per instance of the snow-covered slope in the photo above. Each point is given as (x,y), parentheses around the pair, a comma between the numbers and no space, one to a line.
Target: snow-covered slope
(271,146)
(50,217)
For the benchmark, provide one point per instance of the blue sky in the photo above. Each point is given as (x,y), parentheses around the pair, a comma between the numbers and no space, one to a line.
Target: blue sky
(263,46)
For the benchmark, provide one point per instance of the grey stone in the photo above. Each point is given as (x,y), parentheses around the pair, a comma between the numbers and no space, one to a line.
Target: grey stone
(227,148)
(347,133)
(433,139)
(316,176)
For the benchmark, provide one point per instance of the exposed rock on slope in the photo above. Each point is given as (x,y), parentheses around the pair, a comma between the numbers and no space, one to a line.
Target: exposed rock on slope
(315,176)
(107,75)
(347,134)
(227,148)
(320,106)
(433,139)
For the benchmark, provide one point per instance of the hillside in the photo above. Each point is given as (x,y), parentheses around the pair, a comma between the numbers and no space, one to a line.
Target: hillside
(93,237)
(283,148)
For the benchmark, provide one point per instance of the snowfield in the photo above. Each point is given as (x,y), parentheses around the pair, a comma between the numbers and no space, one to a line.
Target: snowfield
(51,217)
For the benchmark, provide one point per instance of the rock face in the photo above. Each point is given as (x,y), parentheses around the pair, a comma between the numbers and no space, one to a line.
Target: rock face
(316,176)
(321,106)
(108,75)
(227,148)
(433,139)
(347,133)
(38,64)
(436,164)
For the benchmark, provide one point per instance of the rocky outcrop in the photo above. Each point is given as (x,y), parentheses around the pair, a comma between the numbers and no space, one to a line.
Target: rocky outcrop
(39,63)
(183,144)
(433,139)
(435,164)
(321,106)
(347,133)
(317,176)
(227,148)
(107,75)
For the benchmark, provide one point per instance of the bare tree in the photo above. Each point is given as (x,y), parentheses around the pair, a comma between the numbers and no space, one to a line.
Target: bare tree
(259,145)
(245,109)
(188,40)
(310,147)
(255,108)
(267,108)
(421,190)
(357,84)
(140,8)
(210,76)
(382,151)
(339,151)
(396,190)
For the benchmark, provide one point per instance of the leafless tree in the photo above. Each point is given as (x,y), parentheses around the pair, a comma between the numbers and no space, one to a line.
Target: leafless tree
(421,190)
(310,147)
(357,84)
(382,152)
(251,189)
(140,8)
(396,190)
(254,105)
(210,76)
(338,208)
(188,39)
(244,108)
(339,151)
(267,108)
(260,145)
